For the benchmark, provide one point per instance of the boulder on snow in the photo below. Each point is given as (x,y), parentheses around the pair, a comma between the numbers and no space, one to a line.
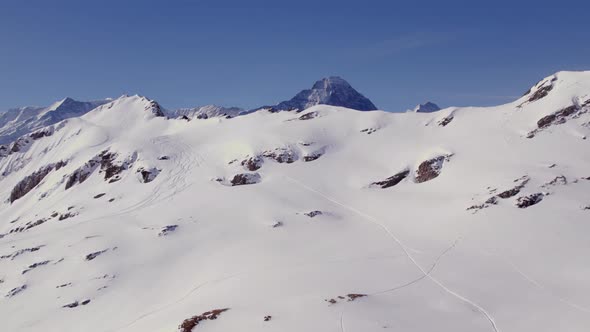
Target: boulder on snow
(245,179)
(313,214)
(252,163)
(529,200)
(148,174)
(281,155)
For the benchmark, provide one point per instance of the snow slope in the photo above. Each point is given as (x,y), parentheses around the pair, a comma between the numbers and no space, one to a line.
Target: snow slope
(338,220)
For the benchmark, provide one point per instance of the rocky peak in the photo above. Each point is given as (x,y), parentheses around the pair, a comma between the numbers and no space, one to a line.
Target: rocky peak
(334,91)
(427,107)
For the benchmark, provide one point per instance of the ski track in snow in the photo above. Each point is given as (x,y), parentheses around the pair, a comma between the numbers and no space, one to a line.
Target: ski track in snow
(185,161)
(432,267)
(171,304)
(404,248)
(540,286)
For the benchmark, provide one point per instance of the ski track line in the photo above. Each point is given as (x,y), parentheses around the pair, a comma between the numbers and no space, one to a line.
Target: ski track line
(541,287)
(432,267)
(134,207)
(404,248)
(342,322)
(168,305)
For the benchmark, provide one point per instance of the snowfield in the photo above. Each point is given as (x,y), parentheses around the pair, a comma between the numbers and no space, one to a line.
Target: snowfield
(329,219)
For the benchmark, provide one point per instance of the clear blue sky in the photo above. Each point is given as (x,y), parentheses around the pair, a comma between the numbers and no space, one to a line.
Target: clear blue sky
(253,52)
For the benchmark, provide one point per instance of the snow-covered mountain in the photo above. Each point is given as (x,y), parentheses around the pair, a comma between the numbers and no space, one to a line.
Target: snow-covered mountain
(465,219)
(427,107)
(333,91)
(20,121)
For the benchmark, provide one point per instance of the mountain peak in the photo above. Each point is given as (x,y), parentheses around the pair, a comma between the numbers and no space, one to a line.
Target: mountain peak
(331,83)
(427,107)
(334,91)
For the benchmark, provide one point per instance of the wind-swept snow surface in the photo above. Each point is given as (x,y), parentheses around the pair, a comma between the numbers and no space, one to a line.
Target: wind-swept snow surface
(465,219)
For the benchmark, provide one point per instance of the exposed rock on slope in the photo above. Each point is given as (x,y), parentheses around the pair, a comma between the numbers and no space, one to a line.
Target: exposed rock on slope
(557,118)
(189,324)
(393,180)
(245,178)
(430,168)
(31,181)
(529,200)
(540,90)
(108,165)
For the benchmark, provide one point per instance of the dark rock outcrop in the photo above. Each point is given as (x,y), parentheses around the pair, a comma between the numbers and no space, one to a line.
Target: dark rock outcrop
(76,304)
(309,116)
(108,166)
(19,252)
(529,200)
(557,118)
(35,265)
(253,163)
(95,254)
(392,180)
(82,173)
(445,121)
(540,90)
(313,156)
(31,181)
(167,230)
(430,168)
(16,290)
(189,324)
(313,214)
(155,109)
(148,174)
(245,179)
(281,155)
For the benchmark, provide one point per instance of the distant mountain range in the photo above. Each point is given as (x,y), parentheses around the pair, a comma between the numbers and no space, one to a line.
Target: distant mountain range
(333,91)
(20,121)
